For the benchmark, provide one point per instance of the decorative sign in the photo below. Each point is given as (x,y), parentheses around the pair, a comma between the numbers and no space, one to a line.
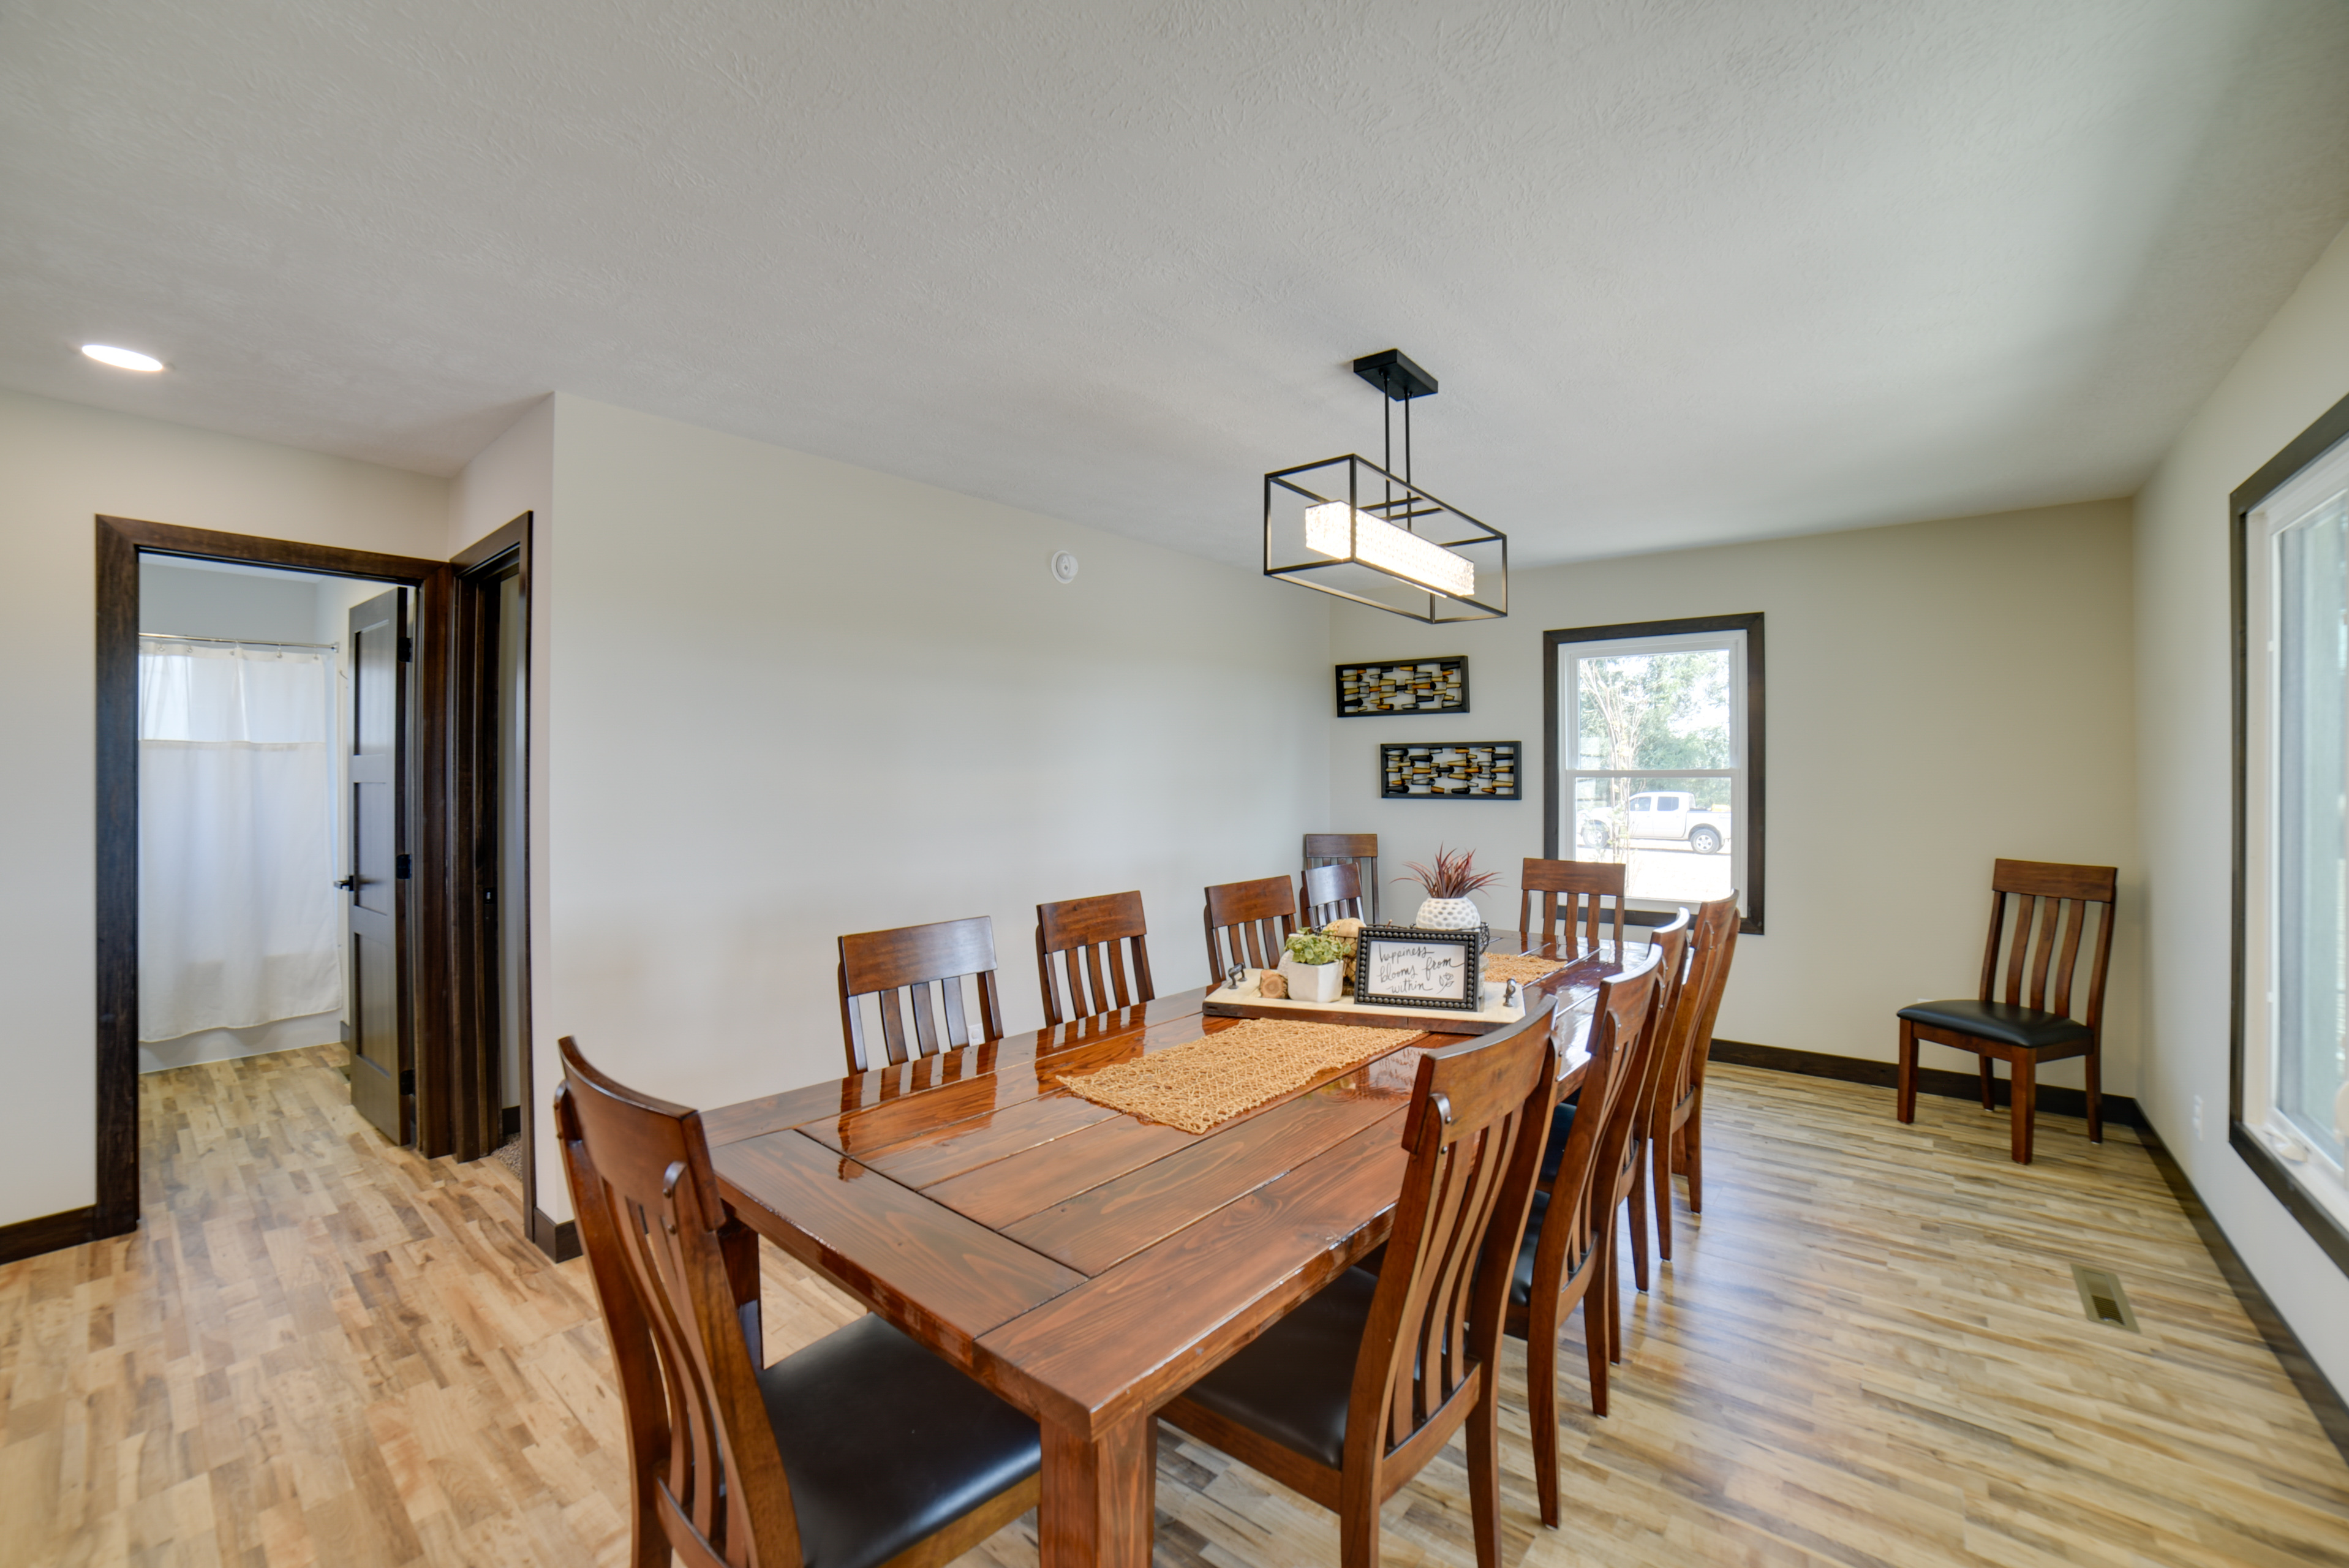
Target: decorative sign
(1405,966)
(1465,770)
(1422,685)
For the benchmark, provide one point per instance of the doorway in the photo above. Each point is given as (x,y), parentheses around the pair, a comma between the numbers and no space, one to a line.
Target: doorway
(438,1085)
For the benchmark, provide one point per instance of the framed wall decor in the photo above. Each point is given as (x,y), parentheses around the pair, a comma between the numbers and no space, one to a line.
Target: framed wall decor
(1405,966)
(1462,770)
(1403,686)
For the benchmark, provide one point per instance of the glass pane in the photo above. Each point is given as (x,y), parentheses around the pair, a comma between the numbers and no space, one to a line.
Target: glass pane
(2312,807)
(1655,710)
(1677,848)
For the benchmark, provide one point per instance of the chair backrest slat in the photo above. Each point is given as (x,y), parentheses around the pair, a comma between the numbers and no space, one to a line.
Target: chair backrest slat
(2041,896)
(898,967)
(1713,944)
(1585,884)
(677,1279)
(1479,1115)
(1248,924)
(1333,893)
(1359,851)
(1097,940)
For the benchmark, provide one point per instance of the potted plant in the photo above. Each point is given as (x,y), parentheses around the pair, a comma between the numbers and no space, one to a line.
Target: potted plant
(1448,883)
(1309,962)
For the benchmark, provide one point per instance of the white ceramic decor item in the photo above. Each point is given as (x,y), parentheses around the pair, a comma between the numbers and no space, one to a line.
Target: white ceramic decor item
(1448,914)
(1313,982)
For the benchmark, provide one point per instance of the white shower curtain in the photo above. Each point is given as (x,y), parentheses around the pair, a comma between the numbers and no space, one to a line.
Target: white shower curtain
(238,921)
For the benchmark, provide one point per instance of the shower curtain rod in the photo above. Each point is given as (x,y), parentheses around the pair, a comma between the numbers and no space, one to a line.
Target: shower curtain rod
(236,642)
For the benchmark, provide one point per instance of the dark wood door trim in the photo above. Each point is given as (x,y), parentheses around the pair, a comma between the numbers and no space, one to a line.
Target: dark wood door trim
(479,569)
(120,542)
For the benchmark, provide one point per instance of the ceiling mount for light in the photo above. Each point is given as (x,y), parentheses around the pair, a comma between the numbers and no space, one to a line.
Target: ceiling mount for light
(1353,528)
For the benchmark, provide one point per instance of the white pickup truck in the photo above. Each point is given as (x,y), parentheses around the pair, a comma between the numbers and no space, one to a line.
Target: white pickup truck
(1667,814)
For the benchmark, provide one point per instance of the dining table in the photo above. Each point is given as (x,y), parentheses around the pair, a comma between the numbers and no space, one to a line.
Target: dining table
(1083,1263)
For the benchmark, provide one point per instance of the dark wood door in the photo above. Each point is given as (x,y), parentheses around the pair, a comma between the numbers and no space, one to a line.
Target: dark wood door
(383,1049)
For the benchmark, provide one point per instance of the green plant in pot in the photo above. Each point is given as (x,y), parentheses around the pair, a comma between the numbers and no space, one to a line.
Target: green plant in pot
(1448,883)
(1311,962)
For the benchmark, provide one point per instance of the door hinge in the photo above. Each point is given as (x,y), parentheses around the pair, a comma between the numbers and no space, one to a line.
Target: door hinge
(407,1081)
(401,865)
(407,648)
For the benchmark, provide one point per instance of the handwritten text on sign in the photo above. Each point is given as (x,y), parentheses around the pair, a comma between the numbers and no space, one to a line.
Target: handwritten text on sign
(1418,969)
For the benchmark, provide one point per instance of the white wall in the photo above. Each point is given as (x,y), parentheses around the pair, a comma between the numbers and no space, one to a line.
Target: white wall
(60,465)
(2296,369)
(1938,695)
(192,601)
(794,698)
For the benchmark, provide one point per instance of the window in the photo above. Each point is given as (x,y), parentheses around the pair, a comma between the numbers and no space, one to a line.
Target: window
(2292,797)
(1654,739)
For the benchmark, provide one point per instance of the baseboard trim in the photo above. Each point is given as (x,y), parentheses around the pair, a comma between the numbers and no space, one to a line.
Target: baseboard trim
(2324,1401)
(48,1234)
(557,1239)
(2119,1108)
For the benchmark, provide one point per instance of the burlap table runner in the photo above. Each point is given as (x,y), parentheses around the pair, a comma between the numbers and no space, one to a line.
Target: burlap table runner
(1205,1084)
(1524,970)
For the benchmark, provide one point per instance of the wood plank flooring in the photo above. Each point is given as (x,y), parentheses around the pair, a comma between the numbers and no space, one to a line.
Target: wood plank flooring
(320,1349)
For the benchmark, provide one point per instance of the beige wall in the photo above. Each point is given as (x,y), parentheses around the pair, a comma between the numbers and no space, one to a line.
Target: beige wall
(60,465)
(2296,369)
(793,698)
(1939,694)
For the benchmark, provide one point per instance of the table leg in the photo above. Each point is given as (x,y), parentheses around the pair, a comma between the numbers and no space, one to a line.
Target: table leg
(1101,1496)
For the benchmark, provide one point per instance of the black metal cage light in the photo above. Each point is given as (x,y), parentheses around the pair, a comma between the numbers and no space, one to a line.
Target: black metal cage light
(1353,528)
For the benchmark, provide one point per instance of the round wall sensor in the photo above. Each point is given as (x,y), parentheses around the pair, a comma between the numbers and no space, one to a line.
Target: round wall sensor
(1064,566)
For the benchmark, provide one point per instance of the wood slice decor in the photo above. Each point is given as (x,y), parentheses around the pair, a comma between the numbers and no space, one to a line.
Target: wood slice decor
(1202,1085)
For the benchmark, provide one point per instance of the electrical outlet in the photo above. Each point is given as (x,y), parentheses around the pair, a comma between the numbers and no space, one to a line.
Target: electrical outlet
(2198,1119)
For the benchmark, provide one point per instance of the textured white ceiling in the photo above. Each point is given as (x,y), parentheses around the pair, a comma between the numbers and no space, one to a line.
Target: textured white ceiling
(1687,272)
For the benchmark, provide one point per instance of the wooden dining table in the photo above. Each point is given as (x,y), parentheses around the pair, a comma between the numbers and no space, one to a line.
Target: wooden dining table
(1087,1265)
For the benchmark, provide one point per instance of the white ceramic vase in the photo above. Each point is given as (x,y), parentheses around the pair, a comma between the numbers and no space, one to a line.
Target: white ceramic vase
(1314,982)
(1448,914)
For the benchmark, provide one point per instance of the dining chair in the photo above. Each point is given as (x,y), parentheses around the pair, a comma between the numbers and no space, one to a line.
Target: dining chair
(1584,884)
(1359,851)
(1350,1395)
(1109,934)
(1333,893)
(1251,920)
(1676,1130)
(1567,1252)
(899,969)
(1670,943)
(860,1450)
(2055,901)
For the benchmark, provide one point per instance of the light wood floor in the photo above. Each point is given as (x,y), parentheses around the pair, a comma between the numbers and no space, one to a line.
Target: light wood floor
(319,1349)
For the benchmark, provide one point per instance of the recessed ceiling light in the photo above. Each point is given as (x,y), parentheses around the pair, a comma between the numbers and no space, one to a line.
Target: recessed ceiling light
(121,358)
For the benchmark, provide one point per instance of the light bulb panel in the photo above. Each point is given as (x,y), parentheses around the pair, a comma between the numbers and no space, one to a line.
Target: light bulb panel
(1339,526)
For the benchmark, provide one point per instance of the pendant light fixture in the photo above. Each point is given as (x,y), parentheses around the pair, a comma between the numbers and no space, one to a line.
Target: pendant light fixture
(1356,529)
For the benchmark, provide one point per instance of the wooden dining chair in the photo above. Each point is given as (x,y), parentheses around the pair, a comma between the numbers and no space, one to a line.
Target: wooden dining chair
(1567,1252)
(2053,907)
(1359,851)
(1669,944)
(1333,893)
(900,969)
(1108,936)
(1350,1396)
(862,1451)
(1581,885)
(1248,924)
(1675,1124)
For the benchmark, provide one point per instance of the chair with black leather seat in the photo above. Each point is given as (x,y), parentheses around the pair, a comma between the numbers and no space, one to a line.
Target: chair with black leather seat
(1347,1397)
(1333,893)
(1567,1252)
(2053,905)
(1108,932)
(1675,1127)
(862,1451)
(1586,885)
(1671,945)
(924,966)
(1248,924)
